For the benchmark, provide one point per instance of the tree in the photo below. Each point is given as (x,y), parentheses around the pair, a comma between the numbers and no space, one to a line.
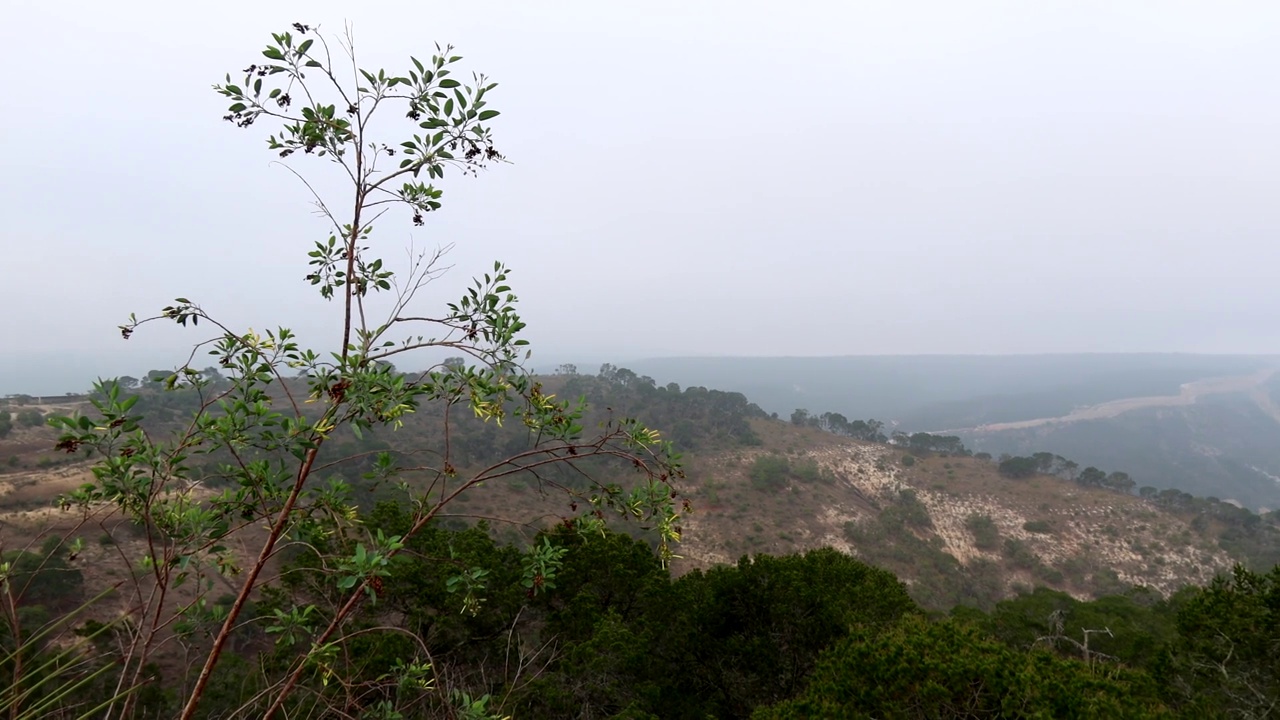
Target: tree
(1120,481)
(212,374)
(750,634)
(919,669)
(1018,467)
(1224,663)
(1069,469)
(834,423)
(1092,477)
(946,444)
(266,430)
(6,423)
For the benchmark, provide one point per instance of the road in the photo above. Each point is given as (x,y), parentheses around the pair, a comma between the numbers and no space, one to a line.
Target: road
(1191,392)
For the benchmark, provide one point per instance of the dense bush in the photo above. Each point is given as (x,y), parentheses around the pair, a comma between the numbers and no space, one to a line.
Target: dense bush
(770,472)
(986,536)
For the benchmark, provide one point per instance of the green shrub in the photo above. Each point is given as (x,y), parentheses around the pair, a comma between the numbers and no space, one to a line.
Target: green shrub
(1037,526)
(1019,554)
(769,472)
(908,511)
(808,471)
(986,536)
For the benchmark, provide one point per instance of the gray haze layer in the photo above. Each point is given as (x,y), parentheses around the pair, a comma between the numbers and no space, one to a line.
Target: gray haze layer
(710,178)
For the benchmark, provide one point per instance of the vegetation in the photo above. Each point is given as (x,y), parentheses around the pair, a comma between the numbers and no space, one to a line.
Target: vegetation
(297,535)
(264,424)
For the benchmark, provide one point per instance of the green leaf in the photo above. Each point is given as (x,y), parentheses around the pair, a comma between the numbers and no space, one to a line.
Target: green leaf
(488,115)
(449,83)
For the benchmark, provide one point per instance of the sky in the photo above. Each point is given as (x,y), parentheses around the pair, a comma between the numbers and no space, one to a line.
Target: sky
(686,178)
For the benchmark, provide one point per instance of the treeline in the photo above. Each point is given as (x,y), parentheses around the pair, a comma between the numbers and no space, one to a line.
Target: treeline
(1043,463)
(694,418)
(873,431)
(868,430)
(26,418)
(592,626)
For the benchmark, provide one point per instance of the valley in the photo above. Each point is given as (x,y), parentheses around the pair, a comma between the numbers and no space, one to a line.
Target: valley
(1252,385)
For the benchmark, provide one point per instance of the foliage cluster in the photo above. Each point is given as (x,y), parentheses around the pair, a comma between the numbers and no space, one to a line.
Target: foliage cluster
(867,430)
(253,460)
(771,472)
(614,635)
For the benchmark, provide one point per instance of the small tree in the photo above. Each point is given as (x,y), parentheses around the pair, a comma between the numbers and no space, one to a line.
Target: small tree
(279,403)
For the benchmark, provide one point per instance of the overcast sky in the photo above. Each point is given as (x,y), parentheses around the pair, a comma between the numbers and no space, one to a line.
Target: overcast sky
(687,178)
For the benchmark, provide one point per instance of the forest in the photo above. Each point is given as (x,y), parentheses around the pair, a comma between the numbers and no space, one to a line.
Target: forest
(593,626)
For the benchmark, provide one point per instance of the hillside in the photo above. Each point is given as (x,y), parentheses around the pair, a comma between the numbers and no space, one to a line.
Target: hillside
(956,530)
(1204,424)
(952,526)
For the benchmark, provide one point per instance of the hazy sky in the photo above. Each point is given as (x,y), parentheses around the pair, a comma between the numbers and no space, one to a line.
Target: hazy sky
(742,178)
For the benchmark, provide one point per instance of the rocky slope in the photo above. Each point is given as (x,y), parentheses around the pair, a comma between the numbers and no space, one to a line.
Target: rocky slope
(1037,531)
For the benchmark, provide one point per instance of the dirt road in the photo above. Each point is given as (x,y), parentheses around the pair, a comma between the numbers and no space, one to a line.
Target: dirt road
(1191,392)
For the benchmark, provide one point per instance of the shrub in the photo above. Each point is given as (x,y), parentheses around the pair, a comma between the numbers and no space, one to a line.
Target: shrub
(908,511)
(769,472)
(986,536)
(1037,526)
(1019,554)
(1018,467)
